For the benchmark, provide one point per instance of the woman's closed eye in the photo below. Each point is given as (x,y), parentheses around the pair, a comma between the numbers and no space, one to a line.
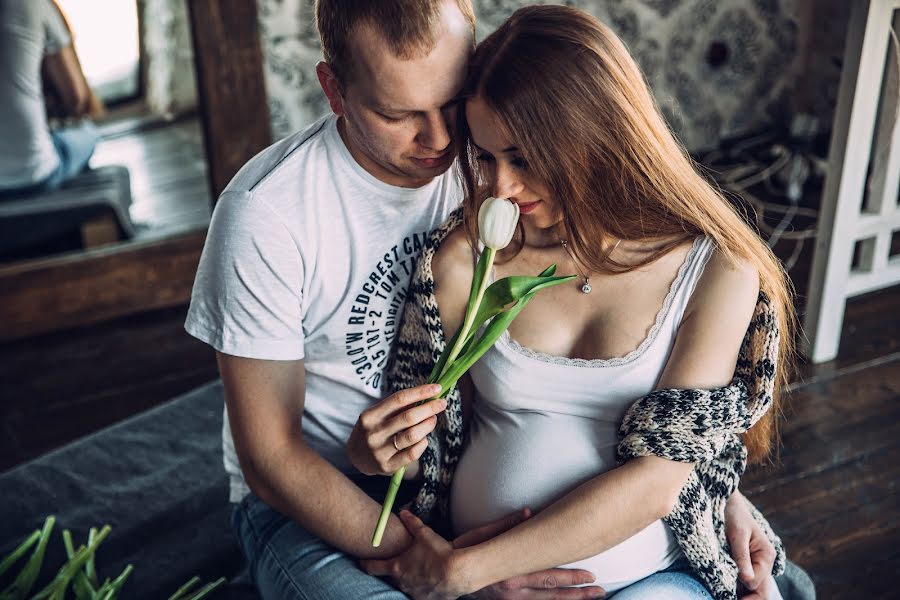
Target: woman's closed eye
(517,162)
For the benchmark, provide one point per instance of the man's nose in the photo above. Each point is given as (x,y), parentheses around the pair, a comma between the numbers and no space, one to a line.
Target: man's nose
(434,133)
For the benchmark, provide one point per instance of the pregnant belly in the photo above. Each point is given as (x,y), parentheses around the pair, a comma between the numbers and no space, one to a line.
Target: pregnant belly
(530,460)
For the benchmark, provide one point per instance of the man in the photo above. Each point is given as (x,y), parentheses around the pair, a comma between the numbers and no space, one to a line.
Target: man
(34,37)
(301,285)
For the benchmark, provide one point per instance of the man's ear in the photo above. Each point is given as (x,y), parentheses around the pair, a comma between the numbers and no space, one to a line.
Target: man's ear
(331,87)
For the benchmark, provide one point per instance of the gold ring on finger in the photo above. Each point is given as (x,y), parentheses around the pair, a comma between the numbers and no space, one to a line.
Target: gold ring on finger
(394,440)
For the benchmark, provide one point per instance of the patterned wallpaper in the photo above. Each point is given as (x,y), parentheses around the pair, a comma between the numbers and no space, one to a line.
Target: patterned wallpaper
(168,58)
(716,67)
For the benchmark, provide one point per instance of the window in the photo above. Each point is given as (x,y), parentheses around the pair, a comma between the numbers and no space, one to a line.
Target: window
(106,40)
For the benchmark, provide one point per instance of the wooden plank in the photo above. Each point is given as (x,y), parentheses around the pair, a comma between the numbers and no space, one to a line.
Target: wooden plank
(869,572)
(100,232)
(833,497)
(854,553)
(231,89)
(61,386)
(813,499)
(835,423)
(79,289)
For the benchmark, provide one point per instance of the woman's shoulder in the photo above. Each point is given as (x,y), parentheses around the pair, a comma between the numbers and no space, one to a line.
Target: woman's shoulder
(729,284)
(454,259)
(714,324)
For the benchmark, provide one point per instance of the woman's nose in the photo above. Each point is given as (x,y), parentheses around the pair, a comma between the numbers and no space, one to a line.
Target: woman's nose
(507,183)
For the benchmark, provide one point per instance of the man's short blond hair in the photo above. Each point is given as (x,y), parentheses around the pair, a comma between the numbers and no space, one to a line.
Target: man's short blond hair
(409,26)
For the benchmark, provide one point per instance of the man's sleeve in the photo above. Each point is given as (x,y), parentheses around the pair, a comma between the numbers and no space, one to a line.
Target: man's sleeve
(56,34)
(247,298)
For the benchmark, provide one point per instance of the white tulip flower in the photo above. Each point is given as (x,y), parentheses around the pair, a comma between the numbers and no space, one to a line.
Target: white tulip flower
(497,220)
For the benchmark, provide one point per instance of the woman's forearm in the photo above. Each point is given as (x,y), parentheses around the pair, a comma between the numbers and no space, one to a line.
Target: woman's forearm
(590,519)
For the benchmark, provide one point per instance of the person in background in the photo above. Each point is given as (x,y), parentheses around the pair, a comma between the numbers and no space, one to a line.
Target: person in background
(36,52)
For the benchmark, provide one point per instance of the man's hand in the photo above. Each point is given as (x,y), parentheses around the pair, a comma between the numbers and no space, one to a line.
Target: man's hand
(424,570)
(750,548)
(548,584)
(393,433)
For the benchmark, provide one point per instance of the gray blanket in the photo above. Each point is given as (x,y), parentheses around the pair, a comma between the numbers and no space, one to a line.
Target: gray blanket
(156,479)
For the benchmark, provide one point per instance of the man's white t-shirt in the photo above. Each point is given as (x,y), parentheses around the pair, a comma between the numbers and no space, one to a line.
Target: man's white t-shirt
(309,256)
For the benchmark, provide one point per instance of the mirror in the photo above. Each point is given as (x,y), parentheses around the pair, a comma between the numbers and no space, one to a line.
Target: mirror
(149,161)
(212,132)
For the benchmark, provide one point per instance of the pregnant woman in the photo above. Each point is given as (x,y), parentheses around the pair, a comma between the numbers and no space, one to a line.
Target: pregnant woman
(609,407)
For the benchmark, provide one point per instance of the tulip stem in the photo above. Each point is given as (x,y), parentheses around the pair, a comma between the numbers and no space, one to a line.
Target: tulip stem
(396,480)
(471,309)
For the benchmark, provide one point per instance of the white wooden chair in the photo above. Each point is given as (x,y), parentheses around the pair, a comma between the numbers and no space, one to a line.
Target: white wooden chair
(860,200)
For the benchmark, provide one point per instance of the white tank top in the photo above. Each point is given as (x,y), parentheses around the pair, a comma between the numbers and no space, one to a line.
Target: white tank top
(543,425)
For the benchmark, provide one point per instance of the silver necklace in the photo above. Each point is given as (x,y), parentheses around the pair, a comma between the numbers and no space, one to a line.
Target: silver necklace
(586,288)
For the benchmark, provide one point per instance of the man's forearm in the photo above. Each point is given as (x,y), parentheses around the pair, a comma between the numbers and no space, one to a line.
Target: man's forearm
(304,486)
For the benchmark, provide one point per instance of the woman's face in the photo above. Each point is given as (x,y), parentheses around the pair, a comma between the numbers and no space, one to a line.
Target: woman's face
(507,172)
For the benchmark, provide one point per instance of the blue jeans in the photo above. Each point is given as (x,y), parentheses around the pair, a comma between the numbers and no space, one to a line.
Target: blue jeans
(74,146)
(287,562)
(674,583)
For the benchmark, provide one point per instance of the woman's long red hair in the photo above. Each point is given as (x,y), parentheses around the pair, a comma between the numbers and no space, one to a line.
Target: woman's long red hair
(574,102)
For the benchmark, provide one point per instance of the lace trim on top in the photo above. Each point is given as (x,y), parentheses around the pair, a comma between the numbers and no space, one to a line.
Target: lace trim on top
(507,339)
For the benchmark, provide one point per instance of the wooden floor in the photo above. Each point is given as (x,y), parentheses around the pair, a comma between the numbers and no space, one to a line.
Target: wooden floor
(167,164)
(832,494)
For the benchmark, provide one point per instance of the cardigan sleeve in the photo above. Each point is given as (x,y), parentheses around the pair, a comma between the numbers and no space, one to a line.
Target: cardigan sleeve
(703,427)
(419,343)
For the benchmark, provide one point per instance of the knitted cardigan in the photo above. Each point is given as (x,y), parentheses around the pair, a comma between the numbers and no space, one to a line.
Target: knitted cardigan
(698,426)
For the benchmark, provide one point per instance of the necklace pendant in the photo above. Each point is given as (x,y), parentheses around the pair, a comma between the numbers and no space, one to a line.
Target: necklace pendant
(586,288)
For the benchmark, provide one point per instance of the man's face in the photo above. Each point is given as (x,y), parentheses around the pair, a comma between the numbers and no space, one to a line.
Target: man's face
(399,115)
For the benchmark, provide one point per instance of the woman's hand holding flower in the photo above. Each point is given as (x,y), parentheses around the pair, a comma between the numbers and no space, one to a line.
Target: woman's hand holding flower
(393,433)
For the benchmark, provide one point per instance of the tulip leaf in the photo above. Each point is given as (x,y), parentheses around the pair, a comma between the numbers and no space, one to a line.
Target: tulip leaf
(500,303)
(496,297)
(439,365)
(24,581)
(496,327)
(479,275)
(182,592)
(207,589)
(20,551)
(90,568)
(81,585)
(56,589)
(509,290)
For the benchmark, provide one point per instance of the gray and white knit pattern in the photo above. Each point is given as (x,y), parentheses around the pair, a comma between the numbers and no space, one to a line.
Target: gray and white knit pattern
(698,426)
